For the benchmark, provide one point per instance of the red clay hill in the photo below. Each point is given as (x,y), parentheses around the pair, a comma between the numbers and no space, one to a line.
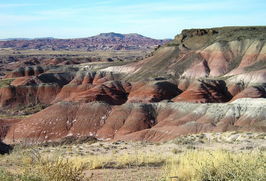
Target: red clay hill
(205,80)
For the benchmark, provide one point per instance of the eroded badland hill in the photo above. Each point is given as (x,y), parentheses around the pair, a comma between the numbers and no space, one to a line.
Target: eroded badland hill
(205,80)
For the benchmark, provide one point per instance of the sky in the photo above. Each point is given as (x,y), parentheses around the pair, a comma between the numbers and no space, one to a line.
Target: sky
(154,18)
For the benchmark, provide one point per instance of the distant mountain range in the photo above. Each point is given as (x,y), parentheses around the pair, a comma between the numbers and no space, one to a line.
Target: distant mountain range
(103,41)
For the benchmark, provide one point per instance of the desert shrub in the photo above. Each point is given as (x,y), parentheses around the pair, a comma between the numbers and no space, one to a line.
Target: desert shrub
(35,167)
(56,170)
(217,166)
(175,151)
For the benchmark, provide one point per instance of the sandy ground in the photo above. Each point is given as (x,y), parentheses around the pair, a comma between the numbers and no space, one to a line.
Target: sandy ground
(232,141)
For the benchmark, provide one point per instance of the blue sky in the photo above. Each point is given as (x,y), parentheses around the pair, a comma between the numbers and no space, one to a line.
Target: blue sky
(157,19)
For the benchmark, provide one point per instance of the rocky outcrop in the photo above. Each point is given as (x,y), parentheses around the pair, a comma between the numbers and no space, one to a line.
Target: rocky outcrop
(4,148)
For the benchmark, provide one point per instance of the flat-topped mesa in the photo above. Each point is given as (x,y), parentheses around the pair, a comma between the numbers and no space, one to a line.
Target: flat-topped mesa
(189,33)
(200,38)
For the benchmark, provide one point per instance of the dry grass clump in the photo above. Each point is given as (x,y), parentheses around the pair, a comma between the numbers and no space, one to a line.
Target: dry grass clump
(217,166)
(120,160)
(57,170)
(29,165)
(34,167)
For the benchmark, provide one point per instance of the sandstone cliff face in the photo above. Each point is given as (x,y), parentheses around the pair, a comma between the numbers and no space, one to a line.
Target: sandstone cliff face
(205,80)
